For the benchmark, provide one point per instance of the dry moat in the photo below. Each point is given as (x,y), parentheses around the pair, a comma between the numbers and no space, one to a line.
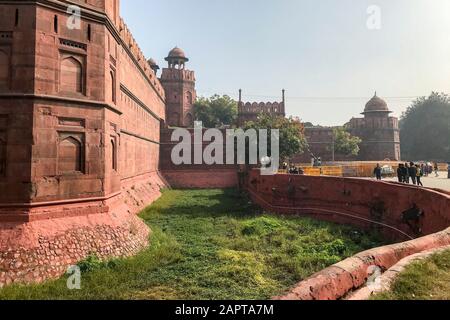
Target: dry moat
(211,244)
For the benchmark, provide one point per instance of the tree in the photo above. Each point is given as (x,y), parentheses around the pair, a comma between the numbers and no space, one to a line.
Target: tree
(345,143)
(292,138)
(216,111)
(425,129)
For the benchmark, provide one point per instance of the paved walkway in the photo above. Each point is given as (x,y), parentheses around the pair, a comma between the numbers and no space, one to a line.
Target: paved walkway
(432,182)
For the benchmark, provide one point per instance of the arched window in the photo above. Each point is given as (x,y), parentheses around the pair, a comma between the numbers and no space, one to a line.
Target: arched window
(189,97)
(4,70)
(71,75)
(113,155)
(70,155)
(2,157)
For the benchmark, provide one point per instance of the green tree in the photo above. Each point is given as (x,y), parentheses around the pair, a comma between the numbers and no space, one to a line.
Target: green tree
(292,138)
(345,143)
(216,111)
(425,129)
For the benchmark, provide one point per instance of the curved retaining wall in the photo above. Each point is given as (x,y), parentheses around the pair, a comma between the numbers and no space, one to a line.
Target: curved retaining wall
(366,204)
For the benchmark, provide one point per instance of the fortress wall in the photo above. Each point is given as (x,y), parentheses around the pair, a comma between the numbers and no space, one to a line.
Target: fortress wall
(91,115)
(194,176)
(80,122)
(202,178)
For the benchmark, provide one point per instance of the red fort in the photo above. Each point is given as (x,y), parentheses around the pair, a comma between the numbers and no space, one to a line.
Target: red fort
(85,126)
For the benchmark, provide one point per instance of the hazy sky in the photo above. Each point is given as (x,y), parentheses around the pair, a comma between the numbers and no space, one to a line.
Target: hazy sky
(320,51)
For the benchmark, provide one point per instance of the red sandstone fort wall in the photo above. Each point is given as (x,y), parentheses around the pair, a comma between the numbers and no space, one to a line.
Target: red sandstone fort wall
(94,119)
(80,114)
(194,176)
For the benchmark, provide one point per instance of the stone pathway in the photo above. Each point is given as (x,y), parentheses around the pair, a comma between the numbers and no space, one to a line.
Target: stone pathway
(432,182)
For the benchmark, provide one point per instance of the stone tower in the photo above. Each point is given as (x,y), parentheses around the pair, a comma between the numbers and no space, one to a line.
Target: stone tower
(179,85)
(378,130)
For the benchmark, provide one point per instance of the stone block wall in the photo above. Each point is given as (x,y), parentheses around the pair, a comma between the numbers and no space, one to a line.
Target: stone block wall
(80,114)
(194,176)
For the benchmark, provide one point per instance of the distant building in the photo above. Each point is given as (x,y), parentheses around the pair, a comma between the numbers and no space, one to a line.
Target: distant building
(380,133)
(249,111)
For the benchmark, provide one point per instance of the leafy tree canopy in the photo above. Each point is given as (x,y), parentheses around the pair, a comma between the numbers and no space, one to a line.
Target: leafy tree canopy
(216,111)
(292,138)
(345,143)
(425,129)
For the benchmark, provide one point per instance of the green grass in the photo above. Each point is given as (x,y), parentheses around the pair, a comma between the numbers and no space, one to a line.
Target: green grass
(211,244)
(424,280)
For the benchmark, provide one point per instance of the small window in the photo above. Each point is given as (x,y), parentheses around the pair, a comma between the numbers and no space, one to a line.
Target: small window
(89,32)
(55,24)
(2,157)
(113,86)
(16,21)
(113,155)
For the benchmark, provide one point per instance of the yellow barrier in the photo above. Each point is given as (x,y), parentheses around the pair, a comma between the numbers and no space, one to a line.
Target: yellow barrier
(312,171)
(335,171)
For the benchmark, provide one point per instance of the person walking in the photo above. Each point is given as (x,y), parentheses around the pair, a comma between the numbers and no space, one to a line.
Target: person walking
(436,169)
(401,173)
(419,176)
(378,172)
(412,171)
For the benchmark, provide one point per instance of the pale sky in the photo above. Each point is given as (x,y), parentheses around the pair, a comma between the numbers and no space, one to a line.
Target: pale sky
(320,51)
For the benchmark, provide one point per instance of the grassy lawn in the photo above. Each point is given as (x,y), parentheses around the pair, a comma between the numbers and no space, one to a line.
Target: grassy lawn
(424,280)
(211,244)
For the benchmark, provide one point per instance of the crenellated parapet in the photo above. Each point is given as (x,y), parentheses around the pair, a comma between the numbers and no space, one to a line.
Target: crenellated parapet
(133,47)
(249,111)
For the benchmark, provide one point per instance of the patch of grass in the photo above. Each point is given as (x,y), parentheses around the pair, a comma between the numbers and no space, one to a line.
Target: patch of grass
(211,244)
(423,280)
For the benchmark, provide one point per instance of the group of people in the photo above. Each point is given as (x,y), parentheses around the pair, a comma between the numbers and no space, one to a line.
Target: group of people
(413,173)
(410,172)
(293,169)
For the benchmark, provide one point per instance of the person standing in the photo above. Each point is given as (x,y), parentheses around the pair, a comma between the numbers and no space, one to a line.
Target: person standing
(412,171)
(448,170)
(406,170)
(378,172)
(419,176)
(401,173)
